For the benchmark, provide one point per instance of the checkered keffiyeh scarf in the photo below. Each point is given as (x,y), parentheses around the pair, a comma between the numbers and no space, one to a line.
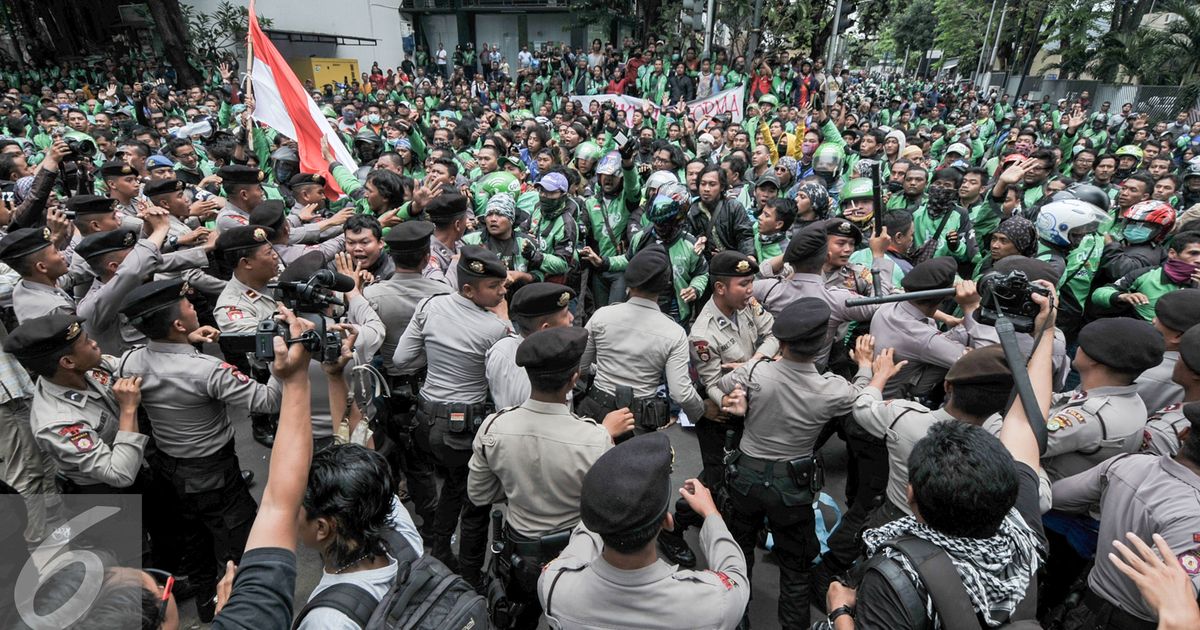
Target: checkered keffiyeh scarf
(996,571)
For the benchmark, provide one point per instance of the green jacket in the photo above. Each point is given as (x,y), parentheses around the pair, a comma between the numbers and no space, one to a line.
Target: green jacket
(1149,281)
(608,219)
(688,269)
(557,238)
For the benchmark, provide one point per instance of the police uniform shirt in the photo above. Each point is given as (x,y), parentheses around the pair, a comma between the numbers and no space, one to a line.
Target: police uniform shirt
(452,335)
(633,343)
(288,254)
(585,591)
(101,307)
(536,455)
(79,431)
(901,424)
(34,299)
(1143,494)
(857,278)
(1163,434)
(929,351)
(128,213)
(231,216)
(1155,385)
(395,300)
(789,403)
(185,392)
(507,382)
(240,308)
(441,262)
(1086,428)
(776,293)
(717,339)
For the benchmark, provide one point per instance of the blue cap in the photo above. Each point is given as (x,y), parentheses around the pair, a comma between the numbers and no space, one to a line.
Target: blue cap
(553,182)
(158,161)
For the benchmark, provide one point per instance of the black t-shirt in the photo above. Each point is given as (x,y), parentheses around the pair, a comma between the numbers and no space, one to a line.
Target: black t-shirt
(263,591)
(878,604)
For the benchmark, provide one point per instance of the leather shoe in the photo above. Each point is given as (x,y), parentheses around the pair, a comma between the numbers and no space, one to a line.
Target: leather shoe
(263,430)
(248,477)
(676,550)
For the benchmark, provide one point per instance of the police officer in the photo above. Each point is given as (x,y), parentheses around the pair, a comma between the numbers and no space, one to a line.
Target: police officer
(536,454)
(1167,427)
(243,192)
(1139,496)
(122,183)
(308,190)
(776,473)
(1105,416)
(272,214)
(170,195)
(909,329)
(1174,314)
(92,214)
(448,212)
(186,394)
(120,262)
(39,263)
(730,330)
(633,344)
(534,307)
(82,417)
(452,333)
(246,299)
(609,576)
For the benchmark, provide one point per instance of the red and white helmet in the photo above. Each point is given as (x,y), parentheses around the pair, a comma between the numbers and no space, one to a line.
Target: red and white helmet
(1157,216)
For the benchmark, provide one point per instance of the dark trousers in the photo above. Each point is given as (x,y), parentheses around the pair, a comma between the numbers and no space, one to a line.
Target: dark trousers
(788,512)
(446,449)
(869,458)
(711,436)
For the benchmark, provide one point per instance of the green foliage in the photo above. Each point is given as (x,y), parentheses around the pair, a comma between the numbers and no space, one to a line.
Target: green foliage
(960,27)
(915,27)
(211,35)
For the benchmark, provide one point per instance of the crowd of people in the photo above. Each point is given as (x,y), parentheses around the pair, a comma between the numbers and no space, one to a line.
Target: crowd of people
(510,296)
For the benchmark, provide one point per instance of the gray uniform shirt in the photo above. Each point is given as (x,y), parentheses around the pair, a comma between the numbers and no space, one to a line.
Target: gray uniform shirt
(450,334)
(507,381)
(1164,431)
(1086,428)
(633,343)
(101,307)
(1155,385)
(34,299)
(776,293)
(240,308)
(585,591)
(395,300)
(185,393)
(1143,494)
(328,250)
(535,455)
(717,339)
(78,430)
(790,403)
(231,216)
(901,424)
(929,351)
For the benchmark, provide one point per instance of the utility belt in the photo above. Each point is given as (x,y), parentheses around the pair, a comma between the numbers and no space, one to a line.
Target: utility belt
(650,413)
(1110,617)
(192,475)
(538,550)
(70,486)
(516,565)
(805,473)
(460,417)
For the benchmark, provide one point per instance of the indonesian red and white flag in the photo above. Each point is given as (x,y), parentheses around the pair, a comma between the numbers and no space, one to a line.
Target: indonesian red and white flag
(281,102)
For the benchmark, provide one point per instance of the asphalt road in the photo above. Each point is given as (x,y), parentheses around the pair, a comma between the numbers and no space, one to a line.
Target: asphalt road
(765,582)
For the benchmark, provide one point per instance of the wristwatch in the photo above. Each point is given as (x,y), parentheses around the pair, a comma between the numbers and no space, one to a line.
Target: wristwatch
(844,609)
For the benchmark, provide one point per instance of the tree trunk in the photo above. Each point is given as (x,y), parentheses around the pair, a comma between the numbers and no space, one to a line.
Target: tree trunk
(173,31)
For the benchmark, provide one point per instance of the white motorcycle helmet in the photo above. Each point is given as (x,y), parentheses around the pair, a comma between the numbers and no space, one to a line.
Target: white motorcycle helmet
(657,180)
(1066,222)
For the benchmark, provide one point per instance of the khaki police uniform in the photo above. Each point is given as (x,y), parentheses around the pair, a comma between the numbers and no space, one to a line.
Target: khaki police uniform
(231,216)
(240,308)
(329,249)
(34,299)
(507,383)
(774,294)
(929,351)
(1164,431)
(1155,385)
(1086,428)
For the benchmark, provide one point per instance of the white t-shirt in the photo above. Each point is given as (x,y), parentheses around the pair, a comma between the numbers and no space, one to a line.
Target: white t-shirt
(375,581)
(441,56)
(525,58)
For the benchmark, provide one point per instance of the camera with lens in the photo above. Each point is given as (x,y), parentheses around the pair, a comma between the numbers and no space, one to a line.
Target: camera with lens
(309,299)
(80,146)
(1010,295)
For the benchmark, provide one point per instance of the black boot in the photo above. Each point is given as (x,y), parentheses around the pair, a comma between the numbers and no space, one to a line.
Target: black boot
(262,427)
(441,550)
(675,549)
(248,477)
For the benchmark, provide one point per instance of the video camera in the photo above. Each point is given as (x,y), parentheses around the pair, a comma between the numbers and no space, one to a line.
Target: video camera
(309,299)
(1009,294)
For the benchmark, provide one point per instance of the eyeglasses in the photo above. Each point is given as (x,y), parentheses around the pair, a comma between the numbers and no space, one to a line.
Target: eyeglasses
(166,582)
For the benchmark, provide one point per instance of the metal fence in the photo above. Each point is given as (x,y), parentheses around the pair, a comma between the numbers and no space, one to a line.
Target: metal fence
(1162,102)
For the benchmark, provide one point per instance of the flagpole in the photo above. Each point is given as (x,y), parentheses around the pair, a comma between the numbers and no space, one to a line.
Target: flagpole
(249,76)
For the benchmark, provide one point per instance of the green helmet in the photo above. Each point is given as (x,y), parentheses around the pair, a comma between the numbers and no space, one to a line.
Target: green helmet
(588,151)
(492,183)
(828,157)
(857,188)
(1130,150)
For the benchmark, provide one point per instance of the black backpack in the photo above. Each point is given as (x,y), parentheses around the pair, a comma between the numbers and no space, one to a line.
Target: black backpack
(425,596)
(941,580)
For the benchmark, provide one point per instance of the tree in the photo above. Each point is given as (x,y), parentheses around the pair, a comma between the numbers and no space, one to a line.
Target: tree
(914,28)
(213,35)
(168,15)
(959,31)
(1181,43)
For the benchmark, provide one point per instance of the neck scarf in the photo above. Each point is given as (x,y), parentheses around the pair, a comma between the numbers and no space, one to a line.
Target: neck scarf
(995,571)
(1178,271)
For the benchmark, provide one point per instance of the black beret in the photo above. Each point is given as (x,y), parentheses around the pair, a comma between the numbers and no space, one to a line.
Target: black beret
(936,273)
(1033,268)
(732,263)
(628,487)
(1179,310)
(649,268)
(162,187)
(40,336)
(477,262)
(89,204)
(116,168)
(810,241)
(1124,344)
(269,213)
(985,365)
(153,297)
(554,350)
(304,267)
(20,243)
(301,179)
(838,226)
(101,243)
(238,174)
(540,298)
(409,236)
(1189,349)
(244,237)
(446,207)
(805,319)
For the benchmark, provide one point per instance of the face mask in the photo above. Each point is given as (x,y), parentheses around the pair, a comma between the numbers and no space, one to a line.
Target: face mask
(807,148)
(1178,271)
(895,187)
(349,118)
(941,199)
(373,119)
(550,206)
(645,142)
(1137,233)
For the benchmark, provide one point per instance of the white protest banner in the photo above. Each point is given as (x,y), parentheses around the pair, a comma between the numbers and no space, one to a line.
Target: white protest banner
(726,102)
(625,104)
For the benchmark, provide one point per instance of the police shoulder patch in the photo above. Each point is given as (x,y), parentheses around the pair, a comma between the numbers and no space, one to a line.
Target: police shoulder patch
(1190,561)
(725,579)
(702,351)
(234,312)
(236,372)
(78,436)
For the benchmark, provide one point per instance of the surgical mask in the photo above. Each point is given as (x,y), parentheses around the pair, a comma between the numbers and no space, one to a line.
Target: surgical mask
(895,187)
(373,119)
(349,118)
(1137,233)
